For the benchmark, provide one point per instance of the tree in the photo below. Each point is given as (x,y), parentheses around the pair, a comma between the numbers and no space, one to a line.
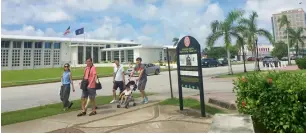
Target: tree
(226,30)
(175,40)
(249,29)
(283,21)
(216,52)
(297,36)
(279,50)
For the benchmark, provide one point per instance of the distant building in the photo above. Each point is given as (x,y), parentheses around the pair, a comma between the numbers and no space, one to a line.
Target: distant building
(297,19)
(30,52)
(263,50)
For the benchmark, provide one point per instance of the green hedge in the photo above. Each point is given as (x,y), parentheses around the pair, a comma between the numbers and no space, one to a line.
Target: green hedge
(301,62)
(275,100)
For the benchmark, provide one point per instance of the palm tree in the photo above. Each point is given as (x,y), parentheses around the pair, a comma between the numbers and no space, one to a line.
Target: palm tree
(297,36)
(225,29)
(175,40)
(251,31)
(240,44)
(283,21)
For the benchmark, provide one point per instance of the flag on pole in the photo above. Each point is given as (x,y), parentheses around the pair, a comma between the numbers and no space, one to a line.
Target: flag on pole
(79,31)
(67,31)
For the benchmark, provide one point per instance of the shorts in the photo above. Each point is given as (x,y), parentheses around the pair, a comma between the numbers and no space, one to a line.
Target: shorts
(142,84)
(118,84)
(90,92)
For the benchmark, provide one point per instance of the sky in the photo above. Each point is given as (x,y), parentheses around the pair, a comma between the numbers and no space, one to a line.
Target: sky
(149,22)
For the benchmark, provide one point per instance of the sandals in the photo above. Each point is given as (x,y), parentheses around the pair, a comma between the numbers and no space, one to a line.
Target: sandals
(93,113)
(81,114)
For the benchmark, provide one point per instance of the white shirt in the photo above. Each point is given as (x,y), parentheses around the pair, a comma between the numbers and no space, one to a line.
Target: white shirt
(118,76)
(126,92)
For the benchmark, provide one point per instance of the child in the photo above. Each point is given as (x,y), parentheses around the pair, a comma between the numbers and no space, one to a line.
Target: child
(127,92)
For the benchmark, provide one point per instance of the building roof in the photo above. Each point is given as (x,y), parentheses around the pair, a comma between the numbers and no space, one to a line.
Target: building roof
(133,47)
(62,39)
(290,11)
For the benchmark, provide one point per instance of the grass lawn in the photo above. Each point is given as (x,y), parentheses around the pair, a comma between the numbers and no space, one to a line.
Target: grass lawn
(45,75)
(192,103)
(252,72)
(239,63)
(48,110)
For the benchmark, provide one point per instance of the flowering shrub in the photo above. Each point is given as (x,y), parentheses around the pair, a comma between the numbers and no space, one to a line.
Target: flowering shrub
(277,100)
(301,62)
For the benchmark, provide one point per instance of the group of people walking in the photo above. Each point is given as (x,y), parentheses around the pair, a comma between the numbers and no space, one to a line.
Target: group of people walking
(88,84)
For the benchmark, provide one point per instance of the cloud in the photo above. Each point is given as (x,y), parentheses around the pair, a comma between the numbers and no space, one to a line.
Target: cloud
(30,31)
(170,19)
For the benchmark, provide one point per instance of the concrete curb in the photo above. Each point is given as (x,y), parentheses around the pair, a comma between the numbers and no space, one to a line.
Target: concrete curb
(223,104)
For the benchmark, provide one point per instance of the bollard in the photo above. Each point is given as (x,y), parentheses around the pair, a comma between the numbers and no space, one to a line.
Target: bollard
(269,66)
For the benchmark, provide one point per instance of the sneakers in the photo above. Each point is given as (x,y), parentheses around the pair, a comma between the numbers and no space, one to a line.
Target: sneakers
(146,100)
(113,101)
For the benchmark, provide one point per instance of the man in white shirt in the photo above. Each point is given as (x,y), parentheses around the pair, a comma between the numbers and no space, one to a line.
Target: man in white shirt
(118,79)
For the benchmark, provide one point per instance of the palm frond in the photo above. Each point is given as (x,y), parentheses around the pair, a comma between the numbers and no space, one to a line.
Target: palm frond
(266,34)
(211,39)
(215,26)
(233,16)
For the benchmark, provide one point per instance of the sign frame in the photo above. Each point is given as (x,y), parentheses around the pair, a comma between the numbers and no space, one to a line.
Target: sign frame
(189,45)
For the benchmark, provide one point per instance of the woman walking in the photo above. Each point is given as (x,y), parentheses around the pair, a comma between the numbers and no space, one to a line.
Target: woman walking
(65,88)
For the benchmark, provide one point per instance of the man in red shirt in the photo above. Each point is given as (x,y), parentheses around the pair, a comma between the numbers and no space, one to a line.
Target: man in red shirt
(91,76)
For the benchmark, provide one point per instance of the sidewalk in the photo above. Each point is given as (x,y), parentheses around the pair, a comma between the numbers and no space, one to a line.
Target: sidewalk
(151,118)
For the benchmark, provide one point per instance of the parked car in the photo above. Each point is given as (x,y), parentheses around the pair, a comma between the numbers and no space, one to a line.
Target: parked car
(268,60)
(150,69)
(251,59)
(223,61)
(209,62)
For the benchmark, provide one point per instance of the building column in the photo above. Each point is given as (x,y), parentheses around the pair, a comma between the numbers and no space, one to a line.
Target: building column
(84,54)
(92,53)
(21,55)
(32,54)
(42,55)
(120,56)
(52,54)
(125,56)
(10,54)
(106,58)
(112,56)
(99,55)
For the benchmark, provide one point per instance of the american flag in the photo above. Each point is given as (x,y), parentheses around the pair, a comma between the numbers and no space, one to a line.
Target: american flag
(67,31)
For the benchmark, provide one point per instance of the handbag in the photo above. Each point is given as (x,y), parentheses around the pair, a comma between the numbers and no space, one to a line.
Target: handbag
(85,82)
(98,84)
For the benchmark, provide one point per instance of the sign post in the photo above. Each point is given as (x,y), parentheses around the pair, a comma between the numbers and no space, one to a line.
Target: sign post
(189,69)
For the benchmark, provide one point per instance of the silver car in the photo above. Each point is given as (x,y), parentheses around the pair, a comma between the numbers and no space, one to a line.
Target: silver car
(150,69)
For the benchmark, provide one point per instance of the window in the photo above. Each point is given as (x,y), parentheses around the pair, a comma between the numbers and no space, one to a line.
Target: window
(116,55)
(48,45)
(107,46)
(56,57)
(95,54)
(101,47)
(27,57)
(4,57)
(57,45)
(27,45)
(15,57)
(122,56)
(37,57)
(119,45)
(5,44)
(47,57)
(88,52)
(130,55)
(38,44)
(17,44)
(80,54)
(103,56)
(160,55)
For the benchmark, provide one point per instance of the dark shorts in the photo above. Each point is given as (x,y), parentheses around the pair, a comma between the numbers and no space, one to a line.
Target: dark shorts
(142,84)
(118,84)
(91,93)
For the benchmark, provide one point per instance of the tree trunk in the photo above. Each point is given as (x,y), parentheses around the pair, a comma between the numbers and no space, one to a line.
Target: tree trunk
(289,62)
(230,70)
(297,49)
(243,58)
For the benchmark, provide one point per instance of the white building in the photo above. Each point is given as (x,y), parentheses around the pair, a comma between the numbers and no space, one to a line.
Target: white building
(28,52)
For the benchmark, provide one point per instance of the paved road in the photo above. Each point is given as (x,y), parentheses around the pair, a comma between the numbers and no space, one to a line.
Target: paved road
(16,98)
